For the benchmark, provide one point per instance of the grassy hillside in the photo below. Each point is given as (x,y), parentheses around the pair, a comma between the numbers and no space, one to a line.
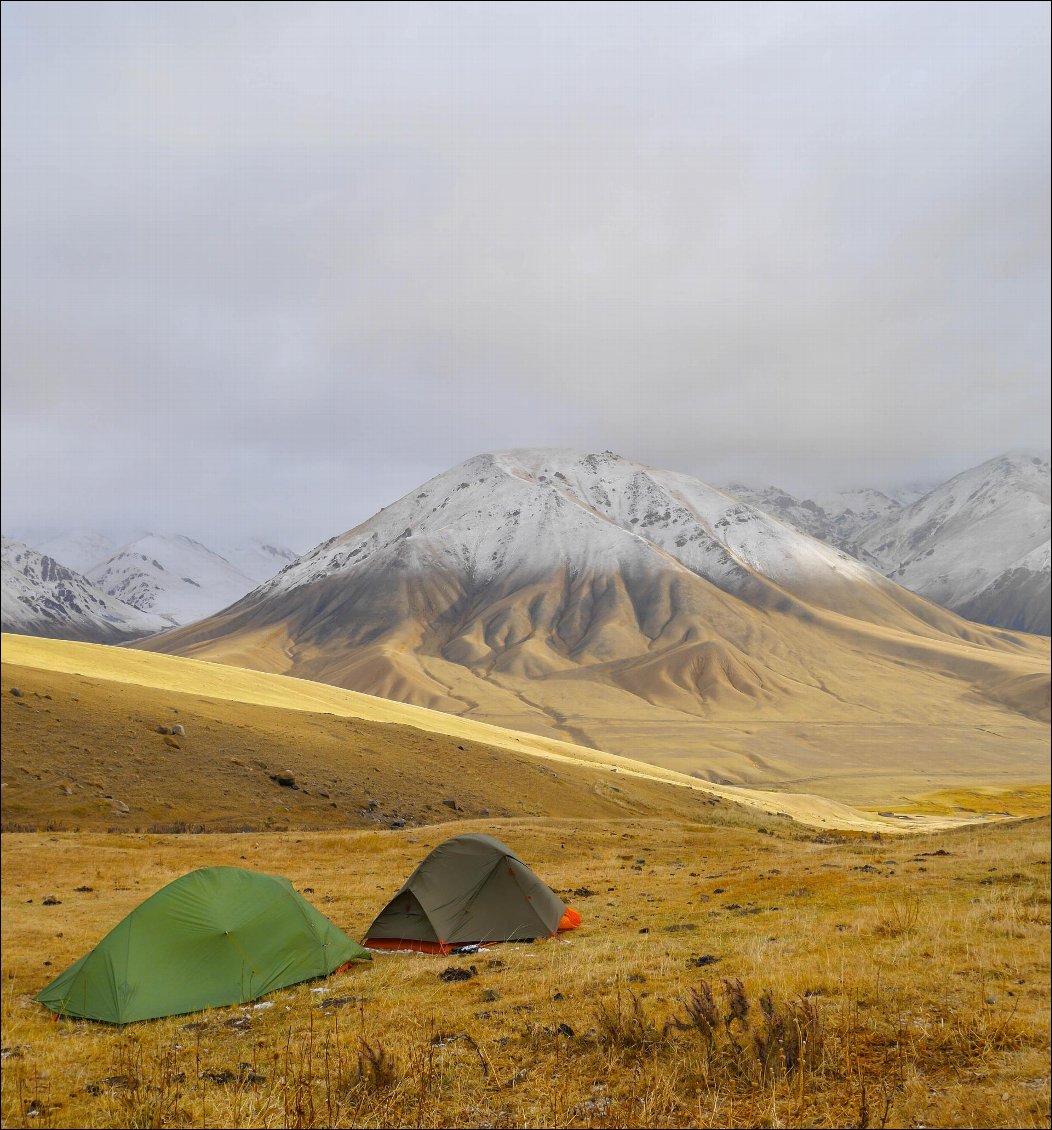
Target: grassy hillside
(723,976)
(84,747)
(735,967)
(86,754)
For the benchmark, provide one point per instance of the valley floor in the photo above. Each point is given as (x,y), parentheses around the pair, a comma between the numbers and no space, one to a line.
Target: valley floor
(725,975)
(884,763)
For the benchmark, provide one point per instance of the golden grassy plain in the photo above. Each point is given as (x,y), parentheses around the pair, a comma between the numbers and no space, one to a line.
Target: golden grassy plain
(724,975)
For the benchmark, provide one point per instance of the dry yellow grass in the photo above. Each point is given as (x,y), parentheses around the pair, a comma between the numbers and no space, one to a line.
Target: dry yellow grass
(1027,801)
(882,983)
(82,754)
(735,968)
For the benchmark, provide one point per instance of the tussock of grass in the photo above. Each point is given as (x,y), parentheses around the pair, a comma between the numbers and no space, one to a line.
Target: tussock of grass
(898,916)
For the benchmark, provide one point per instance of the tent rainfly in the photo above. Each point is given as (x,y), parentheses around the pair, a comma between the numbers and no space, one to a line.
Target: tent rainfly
(218,936)
(469,890)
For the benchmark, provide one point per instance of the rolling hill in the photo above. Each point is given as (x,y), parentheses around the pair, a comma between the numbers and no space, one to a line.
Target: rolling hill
(102,737)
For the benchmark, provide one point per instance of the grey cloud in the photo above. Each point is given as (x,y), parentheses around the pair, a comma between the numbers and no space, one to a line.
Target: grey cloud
(271,265)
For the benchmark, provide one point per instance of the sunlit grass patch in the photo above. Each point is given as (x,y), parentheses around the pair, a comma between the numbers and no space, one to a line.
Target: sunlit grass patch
(1027,800)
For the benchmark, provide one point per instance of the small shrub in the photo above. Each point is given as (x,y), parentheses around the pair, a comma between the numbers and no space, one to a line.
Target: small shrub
(790,1039)
(787,1039)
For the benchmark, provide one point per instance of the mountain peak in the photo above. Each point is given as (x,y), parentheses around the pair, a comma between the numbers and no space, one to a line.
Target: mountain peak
(519,513)
(967,544)
(172,575)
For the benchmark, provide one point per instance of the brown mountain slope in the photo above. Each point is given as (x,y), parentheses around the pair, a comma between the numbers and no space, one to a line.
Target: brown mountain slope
(804,699)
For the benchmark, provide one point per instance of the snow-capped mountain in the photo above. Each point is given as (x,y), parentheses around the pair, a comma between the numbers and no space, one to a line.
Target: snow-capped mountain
(973,544)
(837,517)
(510,517)
(976,544)
(171,576)
(1018,597)
(255,557)
(556,591)
(43,598)
(84,550)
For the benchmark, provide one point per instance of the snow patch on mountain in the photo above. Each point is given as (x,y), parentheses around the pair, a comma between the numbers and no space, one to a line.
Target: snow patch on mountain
(839,518)
(516,515)
(257,558)
(80,550)
(973,544)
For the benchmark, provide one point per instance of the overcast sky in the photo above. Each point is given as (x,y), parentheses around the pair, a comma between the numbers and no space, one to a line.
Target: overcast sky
(268,267)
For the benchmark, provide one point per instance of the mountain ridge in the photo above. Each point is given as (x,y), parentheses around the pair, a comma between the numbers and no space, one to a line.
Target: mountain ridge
(1001,507)
(972,544)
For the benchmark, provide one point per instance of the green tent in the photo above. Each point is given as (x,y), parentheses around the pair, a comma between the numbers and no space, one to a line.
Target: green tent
(217,936)
(470,889)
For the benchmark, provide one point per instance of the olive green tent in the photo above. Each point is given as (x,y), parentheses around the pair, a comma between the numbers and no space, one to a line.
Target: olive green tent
(470,889)
(217,936)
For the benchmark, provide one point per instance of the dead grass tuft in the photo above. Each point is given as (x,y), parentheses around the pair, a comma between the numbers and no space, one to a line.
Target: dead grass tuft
(787,1040)
(378,1068)
(623,1024)
(898,916)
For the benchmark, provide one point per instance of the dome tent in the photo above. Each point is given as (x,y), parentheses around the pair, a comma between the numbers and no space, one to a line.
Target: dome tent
(469,890)
(217,936)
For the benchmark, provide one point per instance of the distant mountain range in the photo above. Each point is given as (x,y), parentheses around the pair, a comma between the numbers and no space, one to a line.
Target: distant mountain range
(43,598)
(639,611)
(115,592)
(839,518)
(978,544)
(175,576)
(255,558)
(80,550)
